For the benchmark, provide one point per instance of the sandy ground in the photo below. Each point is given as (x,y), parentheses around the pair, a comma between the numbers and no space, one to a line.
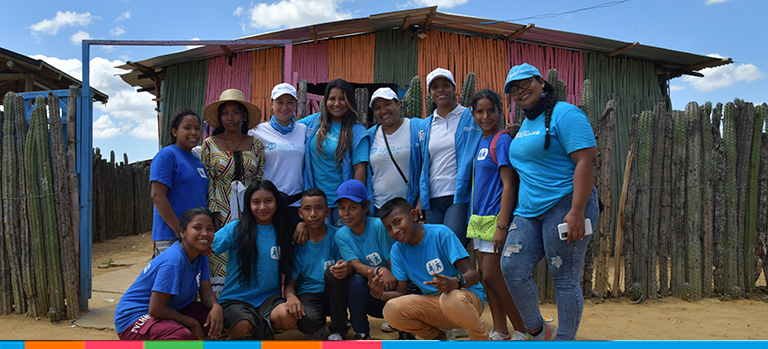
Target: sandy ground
(664,319)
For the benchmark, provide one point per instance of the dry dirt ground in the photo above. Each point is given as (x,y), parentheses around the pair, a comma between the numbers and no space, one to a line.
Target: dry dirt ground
(664,319)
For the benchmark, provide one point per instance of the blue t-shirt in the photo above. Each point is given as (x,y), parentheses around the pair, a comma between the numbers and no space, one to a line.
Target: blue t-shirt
(170,273)
(436,253)
(487,184)
(546,176)
(372,247)
(311,261)
(327,174)
(187,183)
(266,281)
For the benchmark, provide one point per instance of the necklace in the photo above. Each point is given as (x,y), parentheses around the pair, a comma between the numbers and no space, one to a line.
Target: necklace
(226,142)
(264,237)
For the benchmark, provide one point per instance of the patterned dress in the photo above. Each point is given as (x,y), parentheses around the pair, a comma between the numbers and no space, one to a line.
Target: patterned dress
(223,167)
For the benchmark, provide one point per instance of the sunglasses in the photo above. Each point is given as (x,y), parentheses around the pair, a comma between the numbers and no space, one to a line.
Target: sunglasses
(523,84)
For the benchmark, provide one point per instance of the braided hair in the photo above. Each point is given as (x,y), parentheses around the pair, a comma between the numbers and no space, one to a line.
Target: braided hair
(550,101)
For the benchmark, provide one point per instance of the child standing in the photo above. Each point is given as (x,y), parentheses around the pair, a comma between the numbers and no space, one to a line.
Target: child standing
(319,277)
(433,258)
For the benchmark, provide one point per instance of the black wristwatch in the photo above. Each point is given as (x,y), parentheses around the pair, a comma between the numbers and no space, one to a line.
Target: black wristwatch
(461,280)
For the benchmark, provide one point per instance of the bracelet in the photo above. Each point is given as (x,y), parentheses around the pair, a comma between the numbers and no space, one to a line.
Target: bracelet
(505,227)
(376,271)
(379,297)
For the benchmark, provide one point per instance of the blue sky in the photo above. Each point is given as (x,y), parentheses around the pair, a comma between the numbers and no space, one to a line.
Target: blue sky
(127,124)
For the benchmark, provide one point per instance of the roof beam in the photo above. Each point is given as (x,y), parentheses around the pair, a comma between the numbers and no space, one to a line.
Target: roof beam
(430,18)
(226,50)
(313,32)
(518,33)
(14,77)
(406,23)
(146,89)
(677,72)
(708,64)
(140,67)
(623,49)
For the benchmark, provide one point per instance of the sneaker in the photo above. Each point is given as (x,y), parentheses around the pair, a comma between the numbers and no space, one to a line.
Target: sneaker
(548,333)
(385,327)
(519,336)
(460,332)
(450,335)
(498,336)
(335,337)
(406,336)
(362,337)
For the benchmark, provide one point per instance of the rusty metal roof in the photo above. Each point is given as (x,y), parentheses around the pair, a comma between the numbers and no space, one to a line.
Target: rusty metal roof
(676,62)
(17,67)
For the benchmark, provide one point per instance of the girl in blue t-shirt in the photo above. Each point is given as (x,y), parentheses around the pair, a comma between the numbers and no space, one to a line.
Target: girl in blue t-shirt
(177,177)
(260,253)
(160,303)
(554,155)
(336,144)
(494,193)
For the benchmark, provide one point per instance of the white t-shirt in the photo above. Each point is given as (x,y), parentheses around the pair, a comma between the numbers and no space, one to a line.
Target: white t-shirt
(283,157)
(442,153)
(387,182)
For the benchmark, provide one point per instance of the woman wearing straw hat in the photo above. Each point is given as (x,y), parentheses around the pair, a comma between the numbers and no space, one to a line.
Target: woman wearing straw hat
(283,140)
(232,159)
(554,154)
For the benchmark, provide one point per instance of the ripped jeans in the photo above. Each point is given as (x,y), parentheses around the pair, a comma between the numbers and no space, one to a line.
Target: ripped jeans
(529,240)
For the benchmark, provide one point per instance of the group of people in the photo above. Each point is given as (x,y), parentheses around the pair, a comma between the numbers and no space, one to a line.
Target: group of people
(357,222)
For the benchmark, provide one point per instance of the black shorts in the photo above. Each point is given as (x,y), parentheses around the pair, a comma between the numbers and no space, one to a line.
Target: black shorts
(235,311)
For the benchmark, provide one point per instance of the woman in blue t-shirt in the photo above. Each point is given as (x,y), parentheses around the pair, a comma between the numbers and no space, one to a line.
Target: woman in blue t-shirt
(337,144)
(160,303)
(178,179)
(260,253)
(494,193)
(554,154)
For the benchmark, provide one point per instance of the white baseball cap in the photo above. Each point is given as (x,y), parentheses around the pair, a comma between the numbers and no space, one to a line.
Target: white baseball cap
(383,92)
(440,73)
(283,88)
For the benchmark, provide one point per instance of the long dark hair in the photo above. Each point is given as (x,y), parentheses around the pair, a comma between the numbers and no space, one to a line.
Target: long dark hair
(247,249)
(189,215)
(243,127)
(349,120)
(549,106)
(179,115)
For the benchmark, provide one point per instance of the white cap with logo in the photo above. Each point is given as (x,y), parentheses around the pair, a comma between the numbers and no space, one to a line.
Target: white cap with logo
(440,73)
(283,88)
(384,92)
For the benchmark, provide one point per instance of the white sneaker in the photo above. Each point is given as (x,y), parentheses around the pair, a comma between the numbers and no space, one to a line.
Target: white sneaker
(335,337)
(385,327)
(519,336)
(449,334)
(460,332)
(498,336)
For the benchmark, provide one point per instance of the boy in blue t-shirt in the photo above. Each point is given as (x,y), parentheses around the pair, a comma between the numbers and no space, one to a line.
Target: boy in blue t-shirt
(319,277)
(432,257)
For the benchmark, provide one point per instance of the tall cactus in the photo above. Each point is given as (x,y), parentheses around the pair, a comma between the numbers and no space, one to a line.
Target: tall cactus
(707,196)
(10,187)
(430,106)
(588,104)
(415,98)
(693,201)
(36,227)
(362,99)
(468,89)
(8,289)
(642,208)
(730,239)
(301,90)
(679,169)
(751,273)
(28,254)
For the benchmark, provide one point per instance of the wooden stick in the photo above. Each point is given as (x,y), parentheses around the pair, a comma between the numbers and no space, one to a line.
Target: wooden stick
(620,227)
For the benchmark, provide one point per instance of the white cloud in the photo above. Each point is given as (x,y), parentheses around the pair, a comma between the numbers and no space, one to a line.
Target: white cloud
(724,76)
(712,2)
(62,19)
(123,16)
(127,113)
(238,11)
(294,13)
(676,87)
(439,3)
(77,38)
(117,31)
(108,48)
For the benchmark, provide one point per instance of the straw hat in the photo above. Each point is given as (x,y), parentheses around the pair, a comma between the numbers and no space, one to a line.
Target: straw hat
(211,112)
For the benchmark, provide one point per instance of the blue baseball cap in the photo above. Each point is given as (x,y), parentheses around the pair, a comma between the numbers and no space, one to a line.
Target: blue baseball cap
(352,189)
(520,72)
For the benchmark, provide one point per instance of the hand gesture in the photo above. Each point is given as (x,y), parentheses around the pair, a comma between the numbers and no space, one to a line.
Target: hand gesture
(390,281)
(340,270)
(301,235)
(215,321)
(376,283)
(294,307)
(576,227)
(443,283)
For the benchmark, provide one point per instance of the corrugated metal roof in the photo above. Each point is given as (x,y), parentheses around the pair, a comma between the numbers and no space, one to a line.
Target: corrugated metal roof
(46,75)
(676,61)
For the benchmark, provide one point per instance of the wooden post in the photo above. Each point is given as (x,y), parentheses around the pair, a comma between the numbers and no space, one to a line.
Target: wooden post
(620,225)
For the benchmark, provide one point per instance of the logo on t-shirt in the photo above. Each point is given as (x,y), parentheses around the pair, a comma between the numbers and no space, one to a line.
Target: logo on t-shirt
(327,264)
(146,268)
(274,252)
(482,154)
(198,279)
(434,266)
(271,145)
(373,259)
(201,171)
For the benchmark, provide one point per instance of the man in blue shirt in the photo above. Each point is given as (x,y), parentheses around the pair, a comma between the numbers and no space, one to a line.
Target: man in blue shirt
(432,257)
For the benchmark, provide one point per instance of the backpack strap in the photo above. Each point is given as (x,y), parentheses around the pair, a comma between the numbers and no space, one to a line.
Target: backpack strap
(492,148)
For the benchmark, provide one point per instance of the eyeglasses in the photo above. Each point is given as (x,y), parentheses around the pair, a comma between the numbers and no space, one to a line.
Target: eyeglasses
(523,84)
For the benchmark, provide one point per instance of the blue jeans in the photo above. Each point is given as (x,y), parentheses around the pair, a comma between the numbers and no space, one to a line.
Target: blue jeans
(362,304)
(442,210)
(529,240)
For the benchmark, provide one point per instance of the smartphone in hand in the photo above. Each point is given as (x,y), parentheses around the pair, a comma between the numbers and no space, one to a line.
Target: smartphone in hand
(562,229)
